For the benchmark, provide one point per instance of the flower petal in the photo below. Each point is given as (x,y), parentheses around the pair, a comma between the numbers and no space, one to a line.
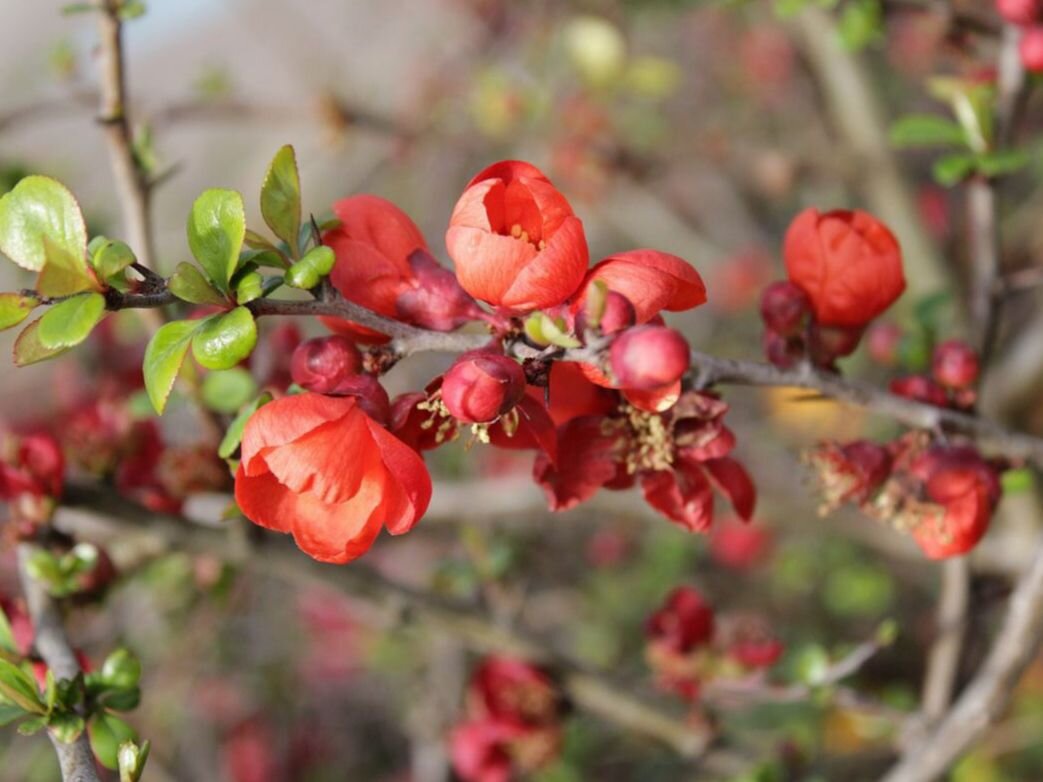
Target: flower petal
(732,480)
(409,490)
(285,420)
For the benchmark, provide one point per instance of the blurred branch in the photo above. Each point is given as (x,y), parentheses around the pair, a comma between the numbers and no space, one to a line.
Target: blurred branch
(75,759)
(97,514)
(943,658)
(956,18)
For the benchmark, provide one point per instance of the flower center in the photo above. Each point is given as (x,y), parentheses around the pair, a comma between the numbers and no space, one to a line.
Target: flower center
(440,420)
(651,442)
(521,234)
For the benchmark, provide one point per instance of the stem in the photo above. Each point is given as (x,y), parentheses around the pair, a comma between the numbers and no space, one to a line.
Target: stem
(76,759)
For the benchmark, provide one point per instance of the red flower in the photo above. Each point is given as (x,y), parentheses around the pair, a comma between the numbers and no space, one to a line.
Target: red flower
(653,281)
(920,388)
(1030,47)
(1019,12)
(320,364)
(507,688)
(320,468)
(955,364)
(589,457)
(851,472)
(740,546)
(479,750)
(684,621)
(514,239)
(848,263)
(36,468)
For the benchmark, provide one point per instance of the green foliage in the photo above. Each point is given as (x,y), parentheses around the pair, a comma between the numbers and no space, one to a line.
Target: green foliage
(234,434)
(14,308)
(107,733)
(281,198)
(163,358)
(249,287)
(926,130)
(189,284)
(62,574)
(109,257)
(18,688)
(228,390)
(861,23)
(70,322)
(953,169)
(216,229)
(29,350)
(222,341)
(309,270)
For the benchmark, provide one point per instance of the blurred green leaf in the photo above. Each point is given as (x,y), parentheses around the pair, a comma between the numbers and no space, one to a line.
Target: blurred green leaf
(811,664)
(861,23)
(70,322)
(953,169)
(107,732)
(216,229)
(281,197)
(926,130)
(224,340)
(121,669)
(19,688)
(163,358)
(1002,162)
(225,391)
(1017,481)
(29,350)
(858,590)
(14,308)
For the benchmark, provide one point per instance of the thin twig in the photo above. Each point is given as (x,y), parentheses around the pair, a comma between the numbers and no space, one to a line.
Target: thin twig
(75,759)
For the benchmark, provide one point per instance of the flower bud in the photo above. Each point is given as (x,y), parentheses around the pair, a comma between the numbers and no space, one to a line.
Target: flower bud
(649,357)
(1030,47)
(320,364)
(784,307)
(481,386)
(783,353)
(921,389)
(955,364)
(1020,12)
(883,342)
(606,310)
(370,395)
(828,343)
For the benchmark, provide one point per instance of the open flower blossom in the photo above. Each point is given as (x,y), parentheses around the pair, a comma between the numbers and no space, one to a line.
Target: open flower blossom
(515,241)
(321,469)
(383,264)
(847,262)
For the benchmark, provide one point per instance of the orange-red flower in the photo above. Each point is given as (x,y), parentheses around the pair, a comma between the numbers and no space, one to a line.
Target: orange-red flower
(514,239)
(847,262)
(320,468)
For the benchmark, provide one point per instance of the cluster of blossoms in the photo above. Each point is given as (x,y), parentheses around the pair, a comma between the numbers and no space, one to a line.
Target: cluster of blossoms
(954,373)
(32,470)
(513,725)
(687,645)
(579,367)
(1028,15)
(844,269)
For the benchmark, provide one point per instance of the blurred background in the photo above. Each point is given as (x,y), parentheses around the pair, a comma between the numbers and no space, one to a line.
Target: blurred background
(696,128)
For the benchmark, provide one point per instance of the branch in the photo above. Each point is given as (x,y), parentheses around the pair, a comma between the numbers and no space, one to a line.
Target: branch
(76,759)
(96,514)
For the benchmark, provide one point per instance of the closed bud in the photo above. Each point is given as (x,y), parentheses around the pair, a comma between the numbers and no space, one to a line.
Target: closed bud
(321,364)
(828,343)
(921,389)
(955,364)
(780,351)
(784,307)
(1030,47)
(481,386)
(1021,12)
(649,357)
(608,311)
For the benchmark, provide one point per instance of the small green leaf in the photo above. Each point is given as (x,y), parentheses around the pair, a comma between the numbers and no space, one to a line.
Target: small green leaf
(281,197)
(256,241)
(999,163)
(309,270)
(132,760)
(225,340)
(861,23)
(124,699)
(953,169)
(234,435)
(216,229)
(131,9)
(66,726)
(121,669)
(7,643)
(14,308)
(811,664)
(189,284)
(29,350)
(227,390)
(112,257)
(163,357)
(249,287)
(78,8)
(9,713)
(70,322)
(32,726)
(926,130)
(39,207)
(19,688)
(1017,481)
(107,732)
(63,274)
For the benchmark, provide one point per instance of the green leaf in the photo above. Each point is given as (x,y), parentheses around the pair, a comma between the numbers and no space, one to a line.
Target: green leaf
(281,197)
(926,130)
(861,23)
(131,9)
(29,350)
(19,688)
(999,163)
(36,208)
(14,308)
(121,669)
(132,760)
(234,435)
(189,284)
(9,713)
(216,228)
(111,257)
(953,169)
(107,732)
(249,287)
(1017,481)
(123,699)
(227,390)
(7,643)
(309,270)
(66,726)
(225,340)
(63,274)
(70,322)
(163,358)
(32,726)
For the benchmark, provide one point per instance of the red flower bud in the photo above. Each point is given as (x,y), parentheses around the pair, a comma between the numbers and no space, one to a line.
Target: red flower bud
(784,307)
(828,343)
(920,388)
(618,314)
(955,364)
(1031,48)
(649,357)
(848,263)
(684,621)
(780,351)
(481,386)
(321,364)
(1020,12)
(883,342)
